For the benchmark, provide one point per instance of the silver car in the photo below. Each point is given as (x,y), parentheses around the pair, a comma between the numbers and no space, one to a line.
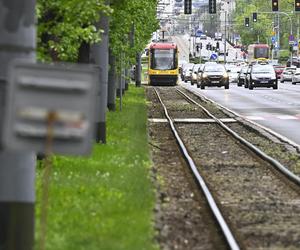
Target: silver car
(287,74)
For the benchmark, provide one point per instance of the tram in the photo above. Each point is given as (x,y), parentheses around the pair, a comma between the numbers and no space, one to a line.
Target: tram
(258,52)
(163,64)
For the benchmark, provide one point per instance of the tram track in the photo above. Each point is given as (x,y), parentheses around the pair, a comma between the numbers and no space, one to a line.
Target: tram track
(229,169)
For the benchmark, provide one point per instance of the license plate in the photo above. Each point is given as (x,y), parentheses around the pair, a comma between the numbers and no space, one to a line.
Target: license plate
(215,81)
(264,81)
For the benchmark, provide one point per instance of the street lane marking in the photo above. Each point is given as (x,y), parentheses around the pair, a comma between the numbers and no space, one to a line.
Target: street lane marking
(287,117)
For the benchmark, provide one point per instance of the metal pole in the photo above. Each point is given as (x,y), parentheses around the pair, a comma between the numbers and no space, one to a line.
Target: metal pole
(17,169)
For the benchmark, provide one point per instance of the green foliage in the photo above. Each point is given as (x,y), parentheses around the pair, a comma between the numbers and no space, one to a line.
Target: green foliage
(105,201)
(64,25)
(263,28)
(141,14)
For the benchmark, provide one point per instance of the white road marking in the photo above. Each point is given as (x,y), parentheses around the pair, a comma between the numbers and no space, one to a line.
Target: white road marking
(287,117)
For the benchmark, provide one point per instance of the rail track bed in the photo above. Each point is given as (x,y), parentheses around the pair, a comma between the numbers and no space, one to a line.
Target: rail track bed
(260,205)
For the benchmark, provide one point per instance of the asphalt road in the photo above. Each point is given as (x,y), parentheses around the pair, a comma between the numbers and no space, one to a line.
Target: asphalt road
(278,110)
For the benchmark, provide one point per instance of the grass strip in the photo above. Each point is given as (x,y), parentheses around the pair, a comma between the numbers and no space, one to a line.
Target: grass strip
(104,201)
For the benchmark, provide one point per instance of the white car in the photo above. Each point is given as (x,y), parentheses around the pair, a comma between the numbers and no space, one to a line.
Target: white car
(287,74)
(296,77)
(233,72)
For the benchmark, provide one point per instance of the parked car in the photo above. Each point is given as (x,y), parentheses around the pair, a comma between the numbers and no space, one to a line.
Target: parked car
(214,75)
(262,76)
(287,74)
(296,77)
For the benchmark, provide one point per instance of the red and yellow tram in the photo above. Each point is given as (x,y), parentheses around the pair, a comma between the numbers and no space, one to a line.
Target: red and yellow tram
(163,64)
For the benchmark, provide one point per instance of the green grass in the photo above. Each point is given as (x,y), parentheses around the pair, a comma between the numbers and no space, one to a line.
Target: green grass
(105,201)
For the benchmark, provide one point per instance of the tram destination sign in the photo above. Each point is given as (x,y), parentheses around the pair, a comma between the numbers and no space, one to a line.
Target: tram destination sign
(50,106)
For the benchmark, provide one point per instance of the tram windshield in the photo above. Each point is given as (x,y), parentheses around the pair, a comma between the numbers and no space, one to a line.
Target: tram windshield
(261,52)
(163,59)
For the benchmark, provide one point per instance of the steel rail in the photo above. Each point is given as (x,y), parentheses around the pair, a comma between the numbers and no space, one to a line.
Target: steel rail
(291,176)
(216,211)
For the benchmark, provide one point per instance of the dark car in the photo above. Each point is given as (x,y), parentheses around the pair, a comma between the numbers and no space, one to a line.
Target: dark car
(263,76)
(242,76)
(247,78)
(295,62)
(214,75)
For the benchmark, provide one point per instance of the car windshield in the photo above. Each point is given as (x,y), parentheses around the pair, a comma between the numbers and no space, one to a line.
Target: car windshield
(262,70)
(214,68)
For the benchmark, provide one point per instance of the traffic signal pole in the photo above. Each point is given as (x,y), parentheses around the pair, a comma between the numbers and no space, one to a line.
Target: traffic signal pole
(291,24)
(17,168)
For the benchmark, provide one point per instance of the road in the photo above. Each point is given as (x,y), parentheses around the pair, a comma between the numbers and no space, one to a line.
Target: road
(278,110)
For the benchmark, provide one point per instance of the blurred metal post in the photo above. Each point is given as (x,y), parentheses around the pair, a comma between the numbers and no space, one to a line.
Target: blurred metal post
(138,70)
(99,56)
(17,169)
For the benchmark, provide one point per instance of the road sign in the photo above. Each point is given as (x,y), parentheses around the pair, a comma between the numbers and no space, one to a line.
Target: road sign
(213,56)
(54,102)
(291,42)
(273,39)
(291,38)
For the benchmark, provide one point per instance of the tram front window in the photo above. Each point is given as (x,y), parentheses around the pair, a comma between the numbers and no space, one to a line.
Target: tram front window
(261,53)
(163,59)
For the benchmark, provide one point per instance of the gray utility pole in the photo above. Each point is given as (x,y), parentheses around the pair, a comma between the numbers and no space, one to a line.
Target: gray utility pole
(17,168)
(111,101)
(138,70)
(99,56)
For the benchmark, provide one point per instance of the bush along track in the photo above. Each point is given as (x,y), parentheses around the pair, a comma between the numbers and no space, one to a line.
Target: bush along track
(105,201)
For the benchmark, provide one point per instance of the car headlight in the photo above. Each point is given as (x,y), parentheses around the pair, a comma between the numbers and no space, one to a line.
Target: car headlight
(204,75)
(225,75)
(254,77)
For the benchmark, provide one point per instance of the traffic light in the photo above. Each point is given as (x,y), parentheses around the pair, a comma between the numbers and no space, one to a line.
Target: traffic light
(197,48)
(247,22)
(187,6)
(275,5)
(297,5)
(212,6)
(217,45)
(254,17)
